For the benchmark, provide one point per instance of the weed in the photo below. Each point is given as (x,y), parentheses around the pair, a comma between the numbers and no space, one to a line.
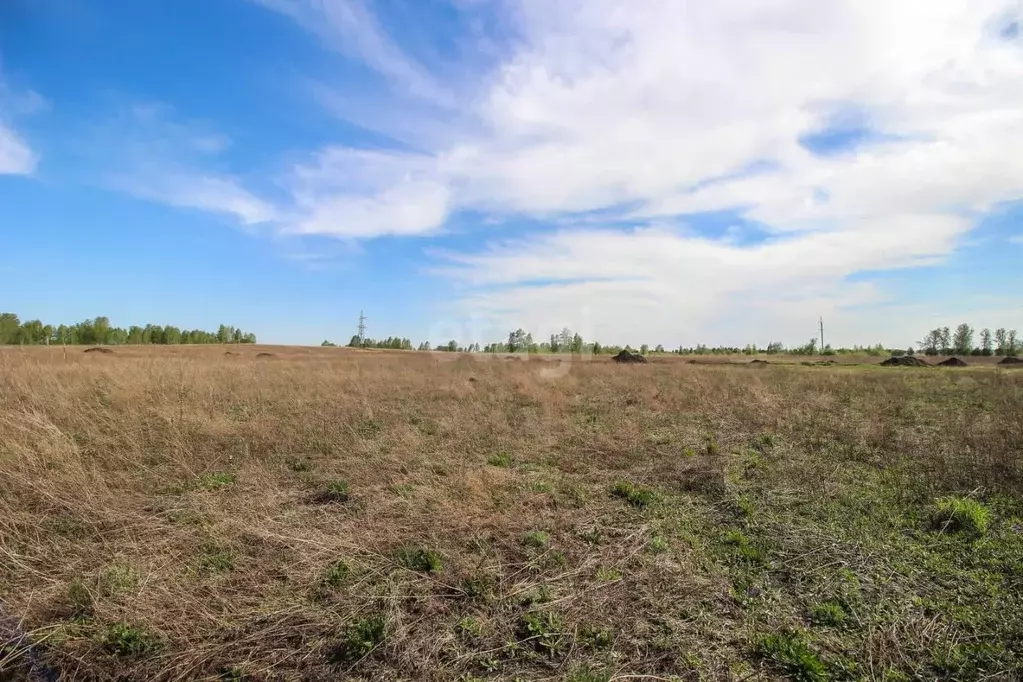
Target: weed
(334,492)
(337,573)
(634,495)
(744,548)
(127,640)
(659,544)
(299,465)
(608,575)
(216,559)
(961,515)
(596,638)
(80,598)
(216,479)
(470,627)
(501,459)
(790,651)
(545,631)
(362,637)
(536,539)
(588,674)
(828,613)
(419,559)
(119,579)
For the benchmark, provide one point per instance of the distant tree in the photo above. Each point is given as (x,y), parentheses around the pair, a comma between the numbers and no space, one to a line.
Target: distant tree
(659,348)
(910,351)
(775,347)
(946,341)
(985,341)
(644,349)
(1011,346)
(962,341)
(328,344)
(1001,341)
(597,348)
(897,352)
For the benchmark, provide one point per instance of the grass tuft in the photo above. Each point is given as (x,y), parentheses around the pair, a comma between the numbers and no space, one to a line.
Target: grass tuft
(634,495)
(961,515)
(419,559)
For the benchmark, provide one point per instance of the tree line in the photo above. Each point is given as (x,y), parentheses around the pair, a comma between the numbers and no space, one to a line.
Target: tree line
(99,331)
(942,341)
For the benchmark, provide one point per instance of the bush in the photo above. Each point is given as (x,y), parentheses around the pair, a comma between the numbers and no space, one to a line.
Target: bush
(961,515)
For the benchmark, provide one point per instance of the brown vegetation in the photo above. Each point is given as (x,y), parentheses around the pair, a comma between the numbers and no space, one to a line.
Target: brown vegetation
(347,515)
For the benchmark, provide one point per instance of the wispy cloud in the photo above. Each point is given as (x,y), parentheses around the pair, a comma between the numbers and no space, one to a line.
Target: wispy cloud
(147,152)
(1016,239)
(16,156)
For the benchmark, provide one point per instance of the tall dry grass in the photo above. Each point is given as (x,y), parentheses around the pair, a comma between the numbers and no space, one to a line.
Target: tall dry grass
(117,503)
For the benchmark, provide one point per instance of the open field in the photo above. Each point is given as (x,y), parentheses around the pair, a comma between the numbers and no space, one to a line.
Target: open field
(180,513)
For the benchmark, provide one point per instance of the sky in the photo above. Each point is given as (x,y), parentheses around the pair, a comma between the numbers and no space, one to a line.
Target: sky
(668,171)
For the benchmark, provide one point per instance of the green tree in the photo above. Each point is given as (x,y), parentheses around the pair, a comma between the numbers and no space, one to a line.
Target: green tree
(1001,341)
(985,341)
(962,341)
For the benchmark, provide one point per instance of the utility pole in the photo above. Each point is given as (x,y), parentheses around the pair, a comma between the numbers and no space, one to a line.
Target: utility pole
(362,329)
(822,335)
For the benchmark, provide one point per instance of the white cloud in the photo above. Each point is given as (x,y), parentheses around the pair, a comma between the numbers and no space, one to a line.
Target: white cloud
(16,158)
(151,155)
(191,189)
(1016,239)
(676,107)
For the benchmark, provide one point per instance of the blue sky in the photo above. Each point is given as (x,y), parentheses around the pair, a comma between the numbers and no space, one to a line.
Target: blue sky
(676,174)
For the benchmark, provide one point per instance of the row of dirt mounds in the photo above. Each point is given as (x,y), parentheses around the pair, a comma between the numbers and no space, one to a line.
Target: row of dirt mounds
(626,356)
(1011,360)
(98,349)
(905,361)
(952,362)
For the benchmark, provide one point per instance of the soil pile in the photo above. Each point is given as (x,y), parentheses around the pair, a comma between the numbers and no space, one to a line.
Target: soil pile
(265,355)
(952,362)
(905,361)
(1011,361)
(758,362)
(97,349)
(626,356)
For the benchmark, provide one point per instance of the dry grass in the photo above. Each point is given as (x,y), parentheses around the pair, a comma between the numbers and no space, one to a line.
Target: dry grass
(182,514)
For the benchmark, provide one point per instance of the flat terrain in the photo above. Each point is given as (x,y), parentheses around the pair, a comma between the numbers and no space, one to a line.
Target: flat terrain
(184,513)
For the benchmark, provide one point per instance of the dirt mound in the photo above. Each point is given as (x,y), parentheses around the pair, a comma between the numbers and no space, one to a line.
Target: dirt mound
(759,362)
(98,349)
(952,362)
(626,356)
(229,352)
(265,355)
(905,361)
(819,363)
(1011,360)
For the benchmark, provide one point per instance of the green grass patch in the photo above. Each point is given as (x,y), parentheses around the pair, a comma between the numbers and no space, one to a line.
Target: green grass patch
(419,559)
(961,515)
(635,495)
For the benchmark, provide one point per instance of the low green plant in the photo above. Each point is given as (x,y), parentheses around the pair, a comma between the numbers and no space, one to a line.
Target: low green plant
(362,637)
(536,539)
(335,492)
(790,651)
(961,515)
(501,459)
(659,544)
(337,573)
(470,627)
(744,549)
(80,598)
(608,575)
(215,479)
(216,559)
(122,639)
(545,631)
(419,559)
(636,496)
(828,613)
